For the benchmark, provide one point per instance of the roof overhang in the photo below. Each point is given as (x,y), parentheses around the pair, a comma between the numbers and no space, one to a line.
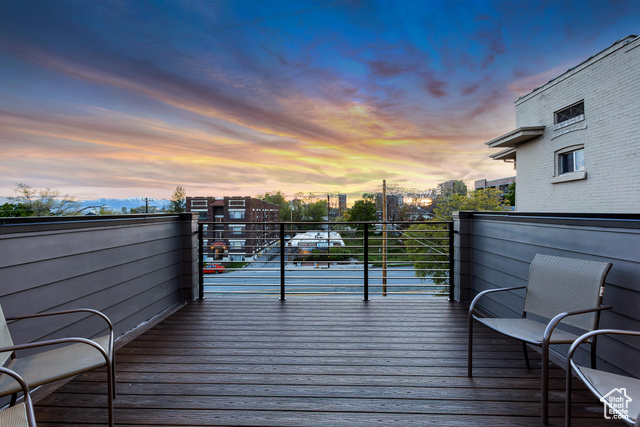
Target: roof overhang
(517,136)
(508,154)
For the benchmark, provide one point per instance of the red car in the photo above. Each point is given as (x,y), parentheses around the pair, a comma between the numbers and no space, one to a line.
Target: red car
(213,269)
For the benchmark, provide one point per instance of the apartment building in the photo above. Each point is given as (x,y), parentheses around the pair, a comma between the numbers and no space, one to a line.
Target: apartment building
(235,227)
(576,145)
(501,184)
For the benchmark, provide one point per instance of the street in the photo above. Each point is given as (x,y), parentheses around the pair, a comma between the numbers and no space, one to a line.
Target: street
(264,277)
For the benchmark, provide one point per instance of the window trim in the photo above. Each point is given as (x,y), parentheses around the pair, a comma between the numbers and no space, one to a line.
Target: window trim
(567,176)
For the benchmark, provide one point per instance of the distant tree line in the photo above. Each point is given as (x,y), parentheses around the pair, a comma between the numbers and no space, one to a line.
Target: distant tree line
(28,201)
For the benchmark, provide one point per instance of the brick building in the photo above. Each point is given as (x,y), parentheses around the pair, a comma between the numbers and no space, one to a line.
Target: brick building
(577,138)
(235,227)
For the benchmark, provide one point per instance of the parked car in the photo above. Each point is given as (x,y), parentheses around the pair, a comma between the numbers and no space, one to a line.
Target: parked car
(213,269)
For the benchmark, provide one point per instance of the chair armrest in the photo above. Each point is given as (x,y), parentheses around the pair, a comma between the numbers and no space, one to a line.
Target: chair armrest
(587,336)
(56,313)
(558,318)
(55,342)
(483,293)
(31,418)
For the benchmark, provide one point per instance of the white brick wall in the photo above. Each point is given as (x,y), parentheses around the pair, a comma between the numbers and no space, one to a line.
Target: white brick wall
(609,84)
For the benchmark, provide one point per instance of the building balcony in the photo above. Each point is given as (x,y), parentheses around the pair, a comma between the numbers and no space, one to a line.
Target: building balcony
(307,360)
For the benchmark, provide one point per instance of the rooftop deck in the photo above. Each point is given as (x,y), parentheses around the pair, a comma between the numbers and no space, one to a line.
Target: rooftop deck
(337,361)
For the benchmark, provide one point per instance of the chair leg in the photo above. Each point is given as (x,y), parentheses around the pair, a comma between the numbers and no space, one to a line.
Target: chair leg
(526,354)
(567,399)
(545,383)
(594,346)
(470,347)
(113,374)
(110,392)
(14,399)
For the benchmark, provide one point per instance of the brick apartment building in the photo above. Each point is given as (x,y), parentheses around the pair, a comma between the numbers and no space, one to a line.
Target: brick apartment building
(577,141)
(235,227)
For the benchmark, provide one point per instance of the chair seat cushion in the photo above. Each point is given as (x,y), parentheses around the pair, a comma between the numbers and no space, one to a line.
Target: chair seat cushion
(55,364)
(606,383)
(527,330)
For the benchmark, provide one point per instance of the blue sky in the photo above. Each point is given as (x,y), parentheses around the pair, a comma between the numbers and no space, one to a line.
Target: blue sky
(132,98)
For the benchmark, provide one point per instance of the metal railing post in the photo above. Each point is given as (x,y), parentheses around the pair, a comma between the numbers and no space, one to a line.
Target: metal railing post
(451,263)
(200,261)
(366,262)
(282,262)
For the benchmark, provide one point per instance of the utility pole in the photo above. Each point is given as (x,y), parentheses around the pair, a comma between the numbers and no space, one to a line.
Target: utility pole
(328,233)
(146,204)
(384,238)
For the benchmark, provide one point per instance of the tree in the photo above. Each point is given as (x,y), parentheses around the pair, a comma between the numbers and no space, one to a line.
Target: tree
(404,203)
(316,211)
(277,197)
(15,210)
(427,242)
(45,202)
(511,194)
(106,211)
(363,210)
(178,201)
(487,199)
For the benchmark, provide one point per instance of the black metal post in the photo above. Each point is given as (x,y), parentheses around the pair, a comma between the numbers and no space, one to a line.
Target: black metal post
(366,262)
(451,263)
(282,263)
(200,262)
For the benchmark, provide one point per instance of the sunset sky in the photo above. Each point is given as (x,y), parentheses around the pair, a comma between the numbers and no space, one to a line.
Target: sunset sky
(133,98)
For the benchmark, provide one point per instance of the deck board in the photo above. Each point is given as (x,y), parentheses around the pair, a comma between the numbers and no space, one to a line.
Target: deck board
(313,361)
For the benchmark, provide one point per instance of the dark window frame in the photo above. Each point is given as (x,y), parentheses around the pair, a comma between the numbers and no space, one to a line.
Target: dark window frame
(568,113)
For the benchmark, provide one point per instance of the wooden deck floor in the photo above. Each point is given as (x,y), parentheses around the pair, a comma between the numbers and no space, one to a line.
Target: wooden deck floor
(394,361)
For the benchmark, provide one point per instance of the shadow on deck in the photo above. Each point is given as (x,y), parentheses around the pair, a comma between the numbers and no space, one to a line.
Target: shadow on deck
(311,361)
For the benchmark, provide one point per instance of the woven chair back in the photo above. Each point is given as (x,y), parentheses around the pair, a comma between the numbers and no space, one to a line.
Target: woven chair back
(5,338)
(557,285)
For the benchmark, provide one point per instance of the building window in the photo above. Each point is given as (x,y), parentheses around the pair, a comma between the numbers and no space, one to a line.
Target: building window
(572,161)
(236,214)
(576,112)
(198,203)
(236,229)
(236,244)
(570,165)
(202,216)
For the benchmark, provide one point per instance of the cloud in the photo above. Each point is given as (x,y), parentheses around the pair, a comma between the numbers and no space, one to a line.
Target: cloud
(244,101)
(524,85)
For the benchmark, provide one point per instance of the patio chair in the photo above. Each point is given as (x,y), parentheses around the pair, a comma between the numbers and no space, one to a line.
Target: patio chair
(75,356)
(19,415)
(559,290)
(603,384)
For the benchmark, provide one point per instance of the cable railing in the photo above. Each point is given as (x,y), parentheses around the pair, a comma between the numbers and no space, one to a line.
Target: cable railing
(326,258)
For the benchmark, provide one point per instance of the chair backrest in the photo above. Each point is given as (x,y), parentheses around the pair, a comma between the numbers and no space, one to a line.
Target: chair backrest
(5,338)
(558,284)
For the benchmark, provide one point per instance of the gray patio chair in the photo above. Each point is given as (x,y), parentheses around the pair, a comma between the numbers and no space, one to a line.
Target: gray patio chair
(603,383)
(559,290)
(75,356)
(19,415)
